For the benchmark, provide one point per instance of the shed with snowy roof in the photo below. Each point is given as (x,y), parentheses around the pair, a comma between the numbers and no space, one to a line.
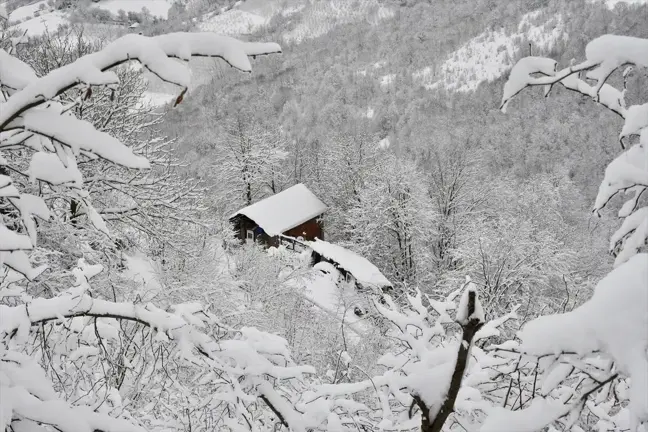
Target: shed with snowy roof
(295,212)
(353,267)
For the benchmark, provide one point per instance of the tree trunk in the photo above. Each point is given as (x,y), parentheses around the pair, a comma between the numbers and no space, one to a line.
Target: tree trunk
(435,424)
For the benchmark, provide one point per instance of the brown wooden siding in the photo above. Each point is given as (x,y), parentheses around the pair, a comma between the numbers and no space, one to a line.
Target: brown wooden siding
(309,230)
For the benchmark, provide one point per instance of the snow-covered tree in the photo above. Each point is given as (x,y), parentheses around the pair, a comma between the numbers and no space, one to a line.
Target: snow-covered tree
(391,220)
(75,329)
(602,344)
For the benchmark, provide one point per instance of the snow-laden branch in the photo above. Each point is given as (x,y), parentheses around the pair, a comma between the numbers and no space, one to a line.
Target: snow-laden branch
(613,320)
(157,54)
(604,55)
(243,364)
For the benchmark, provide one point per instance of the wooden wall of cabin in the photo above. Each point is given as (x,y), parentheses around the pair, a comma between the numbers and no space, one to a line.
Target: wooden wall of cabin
(309,230)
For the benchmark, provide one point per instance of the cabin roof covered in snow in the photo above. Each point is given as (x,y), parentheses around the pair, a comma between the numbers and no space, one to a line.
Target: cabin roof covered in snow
(362,270)
(285,210)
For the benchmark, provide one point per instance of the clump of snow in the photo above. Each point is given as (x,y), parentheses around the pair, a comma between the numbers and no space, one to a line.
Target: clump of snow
(384,143)
(614,320)
(531,419)
(155,99)
(387,80)
(464,314)
(489,55)
(141,269)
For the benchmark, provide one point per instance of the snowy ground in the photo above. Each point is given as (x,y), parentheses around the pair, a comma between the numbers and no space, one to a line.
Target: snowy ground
(489,55)
(337,299)
(27,12)
(38,25)
(156,99)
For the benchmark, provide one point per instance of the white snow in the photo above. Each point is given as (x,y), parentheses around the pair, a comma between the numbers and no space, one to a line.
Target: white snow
(614,321)
(463,316)
(363,271)
(81,135)
(159,8)
(321,17)
(141,269)
(14,73)
(384,143)
(37,26)
(387,80)
(233,23)
(531,419)
(27,12)
(285,210)
(489,55)
(156,99)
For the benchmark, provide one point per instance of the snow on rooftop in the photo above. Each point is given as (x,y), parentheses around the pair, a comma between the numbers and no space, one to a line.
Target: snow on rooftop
(490,54)
(362,270)
(285,210)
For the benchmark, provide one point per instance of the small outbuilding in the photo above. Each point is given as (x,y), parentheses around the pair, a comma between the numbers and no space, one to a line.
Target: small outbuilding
(294,213)
(353,267)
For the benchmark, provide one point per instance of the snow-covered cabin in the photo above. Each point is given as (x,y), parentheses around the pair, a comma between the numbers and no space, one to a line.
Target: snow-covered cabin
(353,267)
(295,212)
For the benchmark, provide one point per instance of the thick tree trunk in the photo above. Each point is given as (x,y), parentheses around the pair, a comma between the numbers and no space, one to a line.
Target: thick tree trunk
(434,423)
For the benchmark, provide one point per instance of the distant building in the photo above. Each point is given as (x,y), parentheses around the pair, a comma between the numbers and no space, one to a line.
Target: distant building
(295,212)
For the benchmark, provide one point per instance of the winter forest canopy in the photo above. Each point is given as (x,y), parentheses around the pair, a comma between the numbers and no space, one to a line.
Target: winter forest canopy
(324,216)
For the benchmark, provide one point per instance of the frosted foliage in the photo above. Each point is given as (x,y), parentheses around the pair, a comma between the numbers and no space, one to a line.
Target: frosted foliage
(614,320)
(246,360)
(489,55)
(608,335)
(59,138)
(87,340)
(422,362)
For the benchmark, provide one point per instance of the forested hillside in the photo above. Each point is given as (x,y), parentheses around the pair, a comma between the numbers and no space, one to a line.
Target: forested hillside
(352,116)
(482,266)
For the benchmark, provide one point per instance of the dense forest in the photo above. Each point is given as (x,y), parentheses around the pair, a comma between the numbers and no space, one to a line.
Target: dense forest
(509,223)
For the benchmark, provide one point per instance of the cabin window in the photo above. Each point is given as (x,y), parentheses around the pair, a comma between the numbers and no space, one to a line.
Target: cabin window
(249,236)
